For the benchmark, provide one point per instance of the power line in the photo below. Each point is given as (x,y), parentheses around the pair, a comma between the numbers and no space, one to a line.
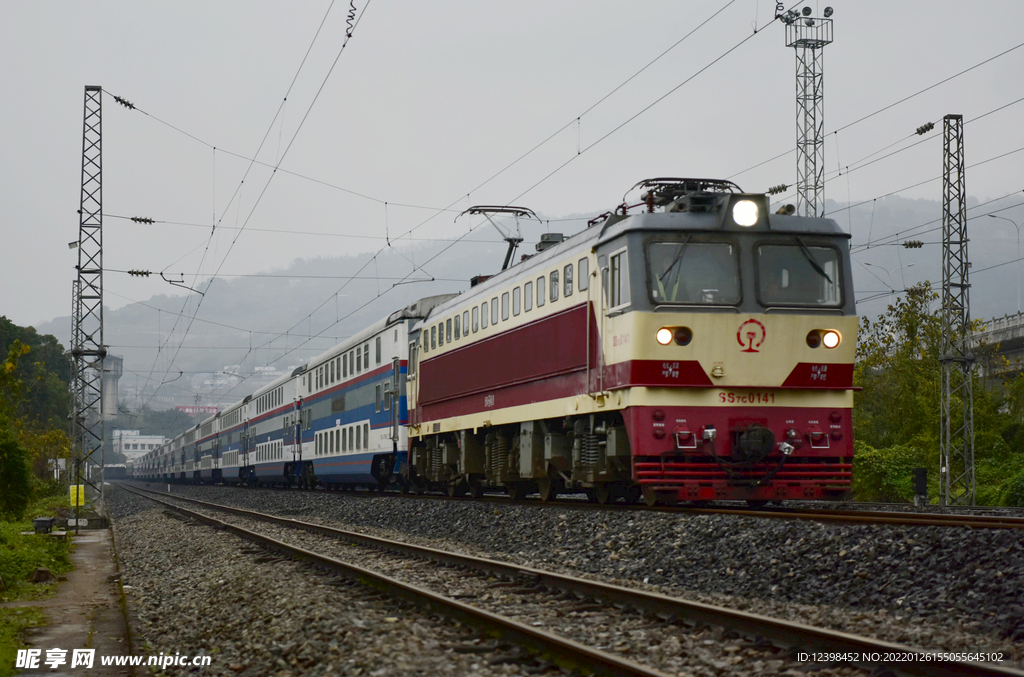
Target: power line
(891,105)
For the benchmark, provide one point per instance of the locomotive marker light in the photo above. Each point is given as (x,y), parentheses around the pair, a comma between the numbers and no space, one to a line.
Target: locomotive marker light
(831,338)
(664,336)
(744,213)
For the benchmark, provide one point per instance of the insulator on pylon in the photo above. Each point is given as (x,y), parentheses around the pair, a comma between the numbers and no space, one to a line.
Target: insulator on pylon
(913,244)
(139,273)
(125,102)
(924,129)
(775,190)
(142,219)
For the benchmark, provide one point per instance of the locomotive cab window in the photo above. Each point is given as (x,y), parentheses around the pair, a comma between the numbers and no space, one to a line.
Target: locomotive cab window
(554,285)
(528,296)
(584,274)
(693,273)
(567,281)
(483,315)
(476,319)
(504,306)
(516,300)
(618,282)
(465,323)
(540,291)
(798,275)
(458,328)
(494,310)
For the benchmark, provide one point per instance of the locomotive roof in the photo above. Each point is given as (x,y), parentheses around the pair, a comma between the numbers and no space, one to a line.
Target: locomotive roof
(616,225)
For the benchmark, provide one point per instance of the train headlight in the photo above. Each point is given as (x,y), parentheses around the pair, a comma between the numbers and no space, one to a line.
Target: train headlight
(831,338)
(744,213)
(814,338)
(664,336)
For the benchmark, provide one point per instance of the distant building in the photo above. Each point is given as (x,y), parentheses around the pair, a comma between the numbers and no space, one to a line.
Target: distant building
(133,444)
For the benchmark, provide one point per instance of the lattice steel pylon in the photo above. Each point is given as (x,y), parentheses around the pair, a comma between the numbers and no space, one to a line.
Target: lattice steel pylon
(957,424)
(87,347)
(808,36)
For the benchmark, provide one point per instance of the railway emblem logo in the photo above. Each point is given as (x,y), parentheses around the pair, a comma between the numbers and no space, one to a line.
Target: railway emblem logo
(751,335)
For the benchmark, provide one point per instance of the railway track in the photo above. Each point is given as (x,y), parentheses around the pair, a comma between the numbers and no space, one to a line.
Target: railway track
(858,514)
(529,582)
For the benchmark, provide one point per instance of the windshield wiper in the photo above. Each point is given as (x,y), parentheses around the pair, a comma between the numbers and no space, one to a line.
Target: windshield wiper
(810,259)
(675,261)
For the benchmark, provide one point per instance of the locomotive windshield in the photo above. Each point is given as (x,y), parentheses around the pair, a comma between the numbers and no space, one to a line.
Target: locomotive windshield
(693,273)
(796,274)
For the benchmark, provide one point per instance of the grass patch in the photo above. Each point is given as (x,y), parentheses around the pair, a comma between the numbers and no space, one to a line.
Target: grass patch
(20,555)
(13,622)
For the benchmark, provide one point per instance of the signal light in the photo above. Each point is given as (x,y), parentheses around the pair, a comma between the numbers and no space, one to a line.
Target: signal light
(913,244)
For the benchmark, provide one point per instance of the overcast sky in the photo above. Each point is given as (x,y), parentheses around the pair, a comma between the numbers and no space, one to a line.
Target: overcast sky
(430,100)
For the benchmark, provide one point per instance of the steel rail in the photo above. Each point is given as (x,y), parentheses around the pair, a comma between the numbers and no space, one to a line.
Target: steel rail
(854,516)
(560,650)
(780,632)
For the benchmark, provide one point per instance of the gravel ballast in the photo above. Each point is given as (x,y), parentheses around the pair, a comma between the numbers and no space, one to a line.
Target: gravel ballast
(195,590)
(933,587)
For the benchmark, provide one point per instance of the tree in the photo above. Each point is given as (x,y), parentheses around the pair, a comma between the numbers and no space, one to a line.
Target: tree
(897,413)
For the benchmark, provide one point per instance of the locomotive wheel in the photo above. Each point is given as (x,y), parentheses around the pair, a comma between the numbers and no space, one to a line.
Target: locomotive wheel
(650,496)
(550,488)
(457,488)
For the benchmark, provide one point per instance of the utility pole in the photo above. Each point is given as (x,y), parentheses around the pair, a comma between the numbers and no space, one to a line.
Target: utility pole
(87,348)
(808,36)
(957,422)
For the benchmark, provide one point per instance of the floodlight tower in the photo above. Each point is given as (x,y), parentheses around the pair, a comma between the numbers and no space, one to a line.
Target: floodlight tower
(87,348)
(808,36)
(957,424)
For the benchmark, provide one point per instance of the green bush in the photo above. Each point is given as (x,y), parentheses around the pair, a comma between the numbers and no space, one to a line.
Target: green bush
(15,476)
(885,475)
(13,622)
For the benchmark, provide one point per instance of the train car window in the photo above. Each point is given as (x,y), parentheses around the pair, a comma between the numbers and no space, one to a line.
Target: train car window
(504,306)
(377,348)
(332,371)
(366,355)
(798,275)
(693,273)
(387,395)
(528,296)
(517,300)
(344,440)
(483,315)
(366,435)
(359,361)
(440,334)
(494,310)
(567,281)
(541,296)
(476,319)
(379,398)
(433,337)
(330,442)
(619,274)
(344,366)
(337,440)
(465,323)
(458,327)
(359,438)
(584,271)
(448,330)
(554,286)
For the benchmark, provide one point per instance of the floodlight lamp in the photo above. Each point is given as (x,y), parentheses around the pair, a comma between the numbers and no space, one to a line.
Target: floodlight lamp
(809,22)
(828,12)
(73,245)
(807,11)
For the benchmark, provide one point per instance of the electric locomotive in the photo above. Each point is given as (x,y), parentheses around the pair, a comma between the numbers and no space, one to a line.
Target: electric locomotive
(691,347)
